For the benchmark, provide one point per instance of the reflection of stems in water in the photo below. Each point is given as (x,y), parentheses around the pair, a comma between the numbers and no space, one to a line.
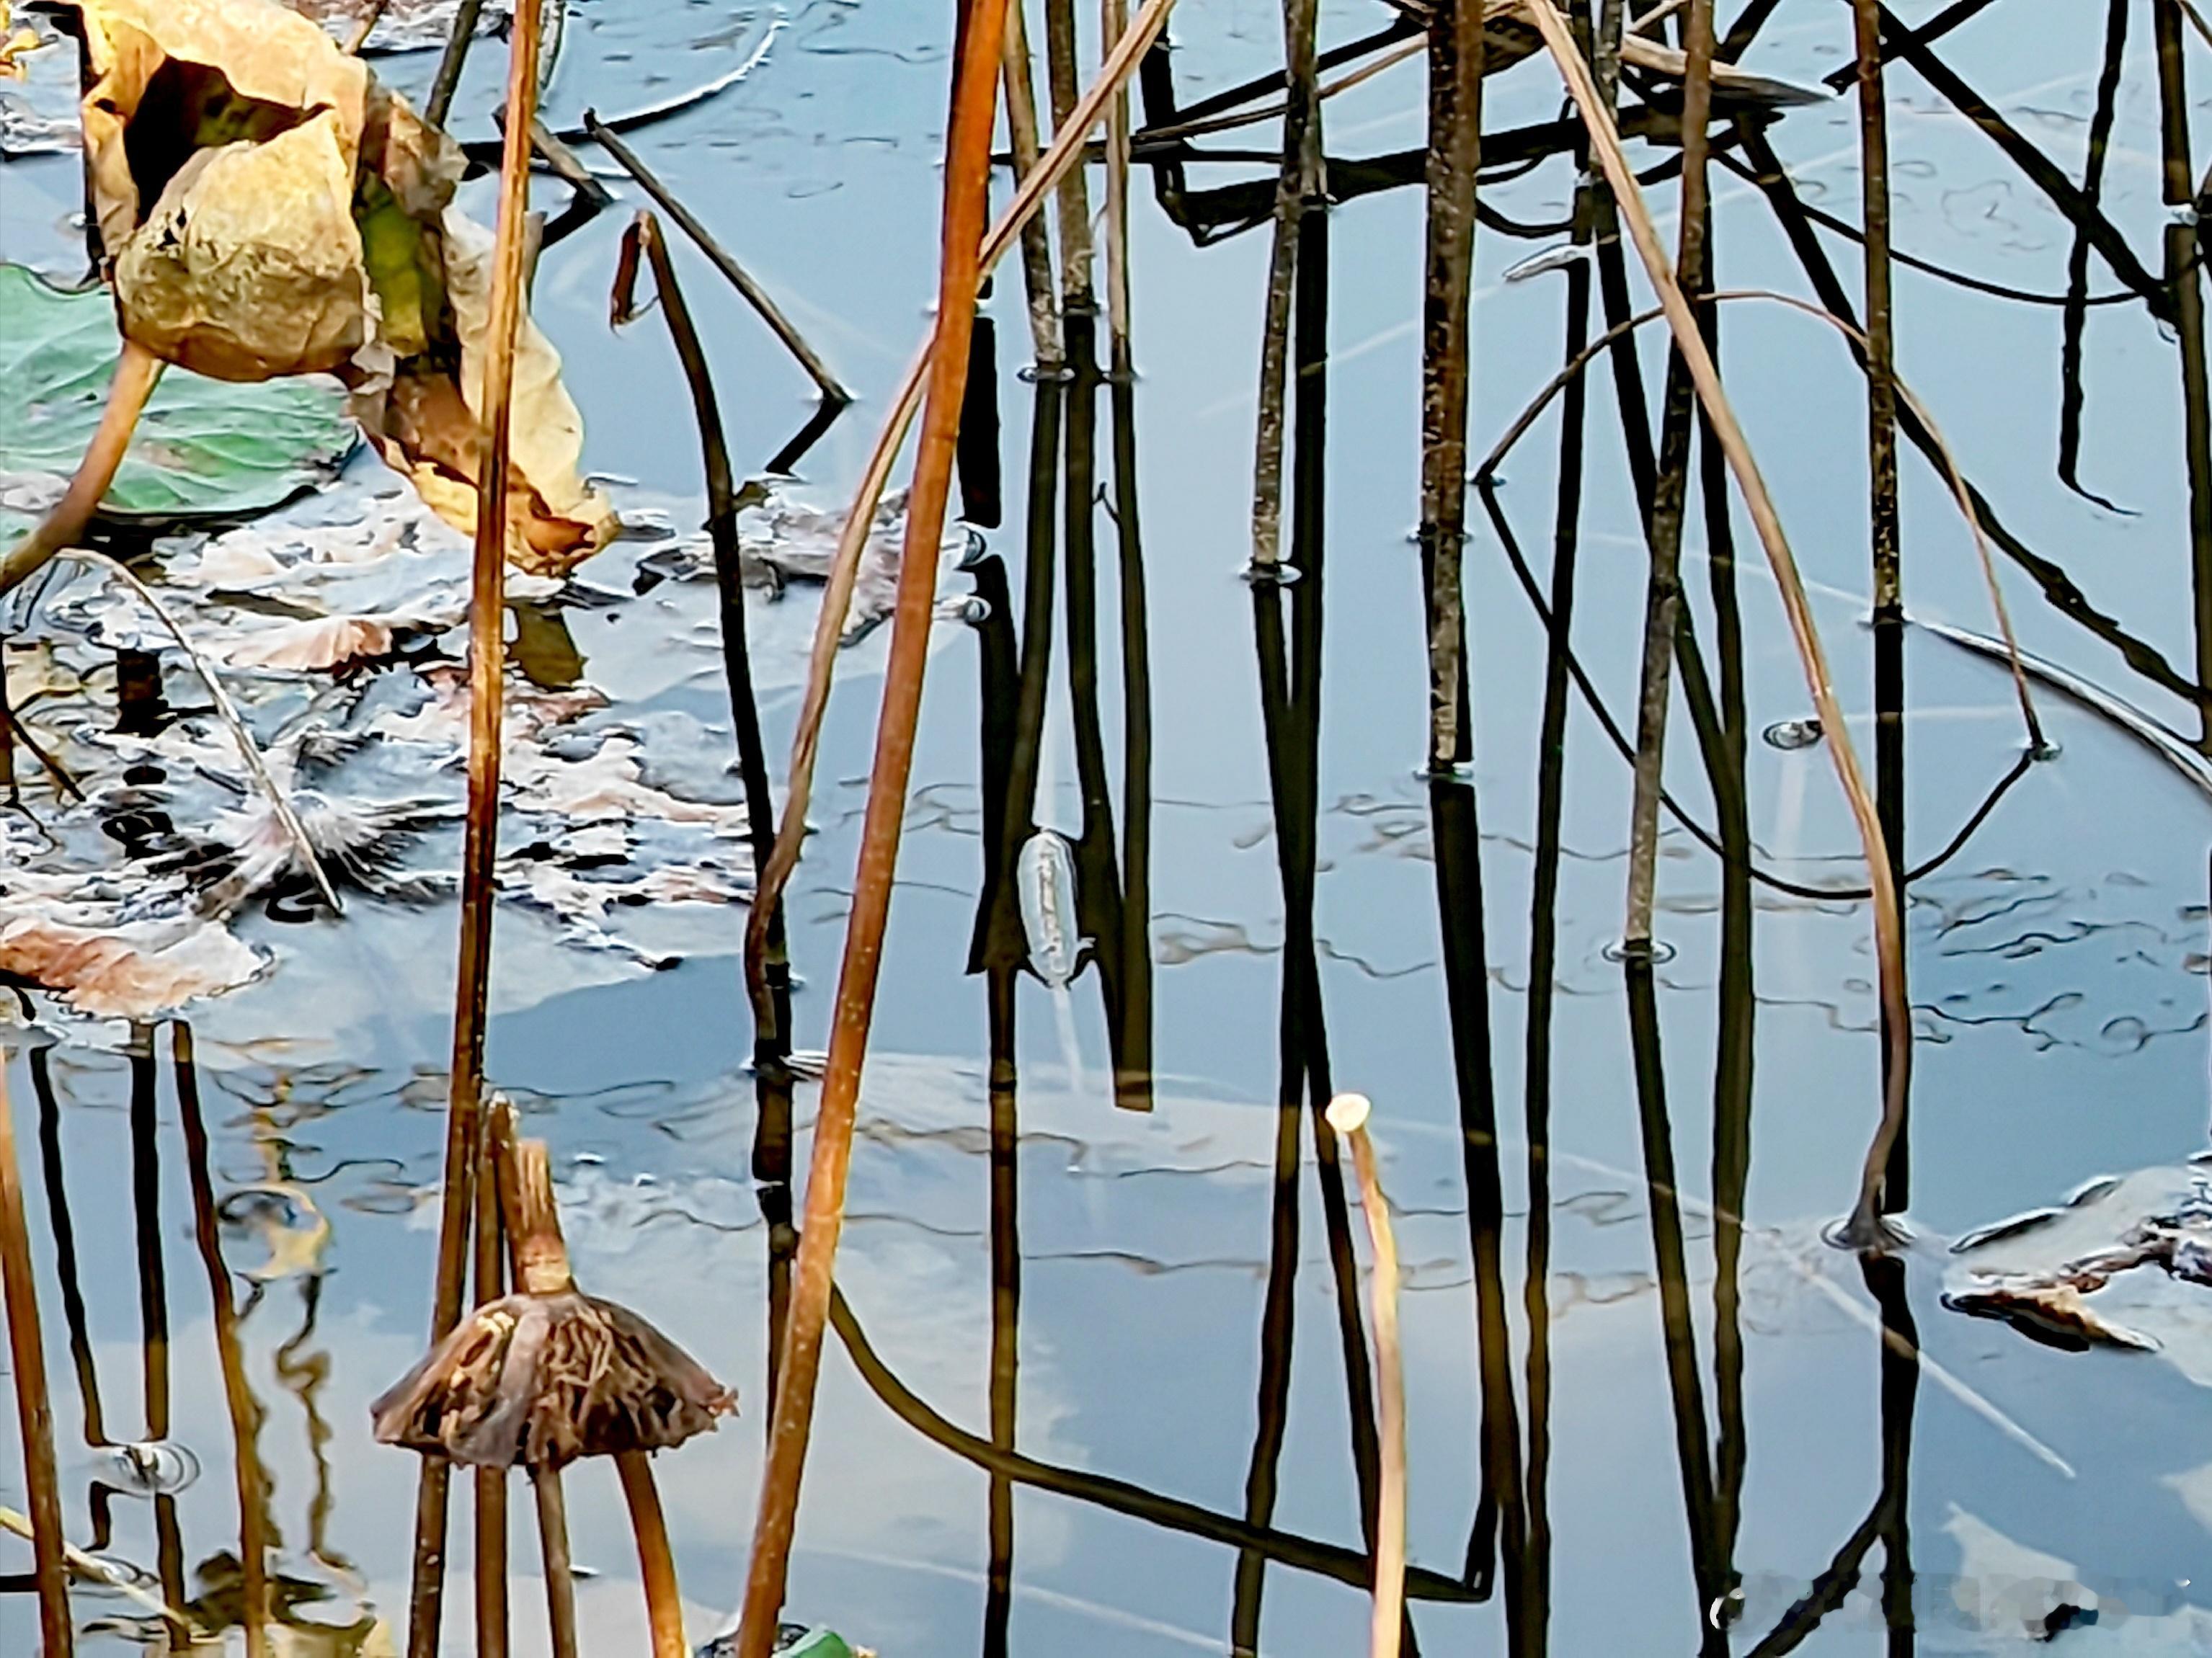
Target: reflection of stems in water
(771,994)
(1704,837)
(1960,11)
(245,1412)
(1006,1304)
(35,1415)
(1500,1531)
(1454,157)
(2059,589)
(1345,1565)
(305,1378)
(2185,294)
(2041,172)
(1543,948)
(1881,472)
(1290,703)
(966,202)
(1900,1389)
(844,569)
(1022,139)
(1133,1072)
(1691,1446)
(1099,886)
(1889,1520)
(2077,263)
(153,1295)
(64,1230)
(998,940)
(1662,592)
(1734,1046)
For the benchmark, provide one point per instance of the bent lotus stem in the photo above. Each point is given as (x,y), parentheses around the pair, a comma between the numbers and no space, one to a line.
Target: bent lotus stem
(137,372)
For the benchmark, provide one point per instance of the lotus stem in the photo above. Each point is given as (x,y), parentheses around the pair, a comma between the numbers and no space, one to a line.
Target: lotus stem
(966,199)
(1864,1229)
(136,374)
(1347,1114)
(1037,243)
(663,1605)
(487,691)
(34,1412)
(94,1570)
(560,1571)
(844,569)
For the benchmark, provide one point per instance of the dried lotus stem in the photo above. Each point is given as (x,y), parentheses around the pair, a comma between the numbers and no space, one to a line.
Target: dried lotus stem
(136,374)
(663,1605)
(487,691)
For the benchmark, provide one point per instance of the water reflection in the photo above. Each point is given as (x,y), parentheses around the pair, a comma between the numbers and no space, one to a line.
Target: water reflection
(1643,1415)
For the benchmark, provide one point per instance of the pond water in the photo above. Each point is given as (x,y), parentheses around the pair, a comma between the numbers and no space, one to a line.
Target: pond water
(1094,1393)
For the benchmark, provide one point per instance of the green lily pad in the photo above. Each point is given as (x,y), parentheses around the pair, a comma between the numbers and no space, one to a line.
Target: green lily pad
(204,448)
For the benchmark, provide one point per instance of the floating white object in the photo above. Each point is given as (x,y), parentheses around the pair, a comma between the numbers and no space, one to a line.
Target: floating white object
(1046,874)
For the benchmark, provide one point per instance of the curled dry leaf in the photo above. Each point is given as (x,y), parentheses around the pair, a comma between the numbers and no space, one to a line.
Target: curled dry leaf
(271,210)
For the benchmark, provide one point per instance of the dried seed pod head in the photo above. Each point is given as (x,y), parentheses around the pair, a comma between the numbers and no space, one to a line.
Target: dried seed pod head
(540,1380)
(551,1374)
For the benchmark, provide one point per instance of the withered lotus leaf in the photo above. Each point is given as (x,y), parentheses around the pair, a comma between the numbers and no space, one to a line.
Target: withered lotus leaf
(269,209)
(540,1380)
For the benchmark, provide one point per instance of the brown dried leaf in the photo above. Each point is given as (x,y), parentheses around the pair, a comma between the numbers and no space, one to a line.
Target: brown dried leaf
(135,971)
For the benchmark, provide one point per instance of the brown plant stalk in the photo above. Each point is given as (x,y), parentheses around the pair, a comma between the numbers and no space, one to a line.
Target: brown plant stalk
(967,200)
(137,372)
(844,567)
(487,675)
(1864,1229)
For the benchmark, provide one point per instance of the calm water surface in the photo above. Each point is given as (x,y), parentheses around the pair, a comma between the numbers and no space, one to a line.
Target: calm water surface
(1764,1448)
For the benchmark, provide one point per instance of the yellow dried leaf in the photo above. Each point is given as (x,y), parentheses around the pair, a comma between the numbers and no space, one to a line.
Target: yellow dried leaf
(220,61)
(135,971)
(249,266)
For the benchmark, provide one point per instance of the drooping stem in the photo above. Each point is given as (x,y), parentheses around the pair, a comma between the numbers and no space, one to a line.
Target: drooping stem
(967,186)
(34,1412)
(1864,1229)
(487,691)
(137,371)
(664,1605)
